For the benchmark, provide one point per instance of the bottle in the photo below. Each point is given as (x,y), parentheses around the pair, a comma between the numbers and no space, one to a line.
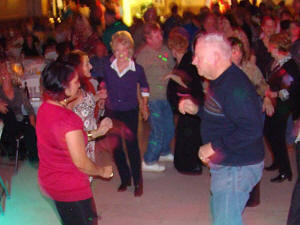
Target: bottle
(26,90)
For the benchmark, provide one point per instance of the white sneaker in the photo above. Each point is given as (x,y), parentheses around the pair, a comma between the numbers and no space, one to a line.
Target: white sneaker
(166,158)
(153,167)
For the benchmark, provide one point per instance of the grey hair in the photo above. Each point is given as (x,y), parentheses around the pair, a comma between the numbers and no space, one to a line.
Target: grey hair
(216,41)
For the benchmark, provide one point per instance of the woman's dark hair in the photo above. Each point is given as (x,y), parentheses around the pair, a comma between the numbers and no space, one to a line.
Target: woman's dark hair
(74,58)
(55,79)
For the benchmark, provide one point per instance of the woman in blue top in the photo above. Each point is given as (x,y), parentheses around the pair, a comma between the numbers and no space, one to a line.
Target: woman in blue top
(122,76)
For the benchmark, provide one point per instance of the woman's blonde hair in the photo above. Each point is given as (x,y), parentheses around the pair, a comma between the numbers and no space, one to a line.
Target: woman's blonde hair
(282,41)
(124,38)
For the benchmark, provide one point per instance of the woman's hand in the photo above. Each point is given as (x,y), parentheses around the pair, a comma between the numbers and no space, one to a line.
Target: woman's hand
(106,172)
(144,109)
(105,125)
(101,94)
(268,107)
(187,106)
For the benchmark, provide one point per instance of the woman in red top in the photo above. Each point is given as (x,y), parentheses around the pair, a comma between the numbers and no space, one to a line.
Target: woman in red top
(64,166)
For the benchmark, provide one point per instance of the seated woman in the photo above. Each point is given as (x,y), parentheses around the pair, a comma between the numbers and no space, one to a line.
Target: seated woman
(64,166)
(12,99)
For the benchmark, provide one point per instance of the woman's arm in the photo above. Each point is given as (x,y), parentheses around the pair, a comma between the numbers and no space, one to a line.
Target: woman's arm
(76,147)
(32,120)
(105,125)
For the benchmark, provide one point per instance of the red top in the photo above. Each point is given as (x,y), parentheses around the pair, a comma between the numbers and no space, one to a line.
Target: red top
(58,176)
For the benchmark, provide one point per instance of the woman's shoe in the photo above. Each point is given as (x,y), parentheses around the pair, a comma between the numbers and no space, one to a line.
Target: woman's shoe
(123,186)
(282,177)
(272,167)
(138,190)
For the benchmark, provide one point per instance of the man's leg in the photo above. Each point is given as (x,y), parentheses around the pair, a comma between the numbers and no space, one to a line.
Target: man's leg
(156,138)
(230,188)
(168,128)
(294,212)
(156,134)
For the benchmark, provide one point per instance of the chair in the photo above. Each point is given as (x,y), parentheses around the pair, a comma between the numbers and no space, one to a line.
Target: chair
(3,195)
(18,140)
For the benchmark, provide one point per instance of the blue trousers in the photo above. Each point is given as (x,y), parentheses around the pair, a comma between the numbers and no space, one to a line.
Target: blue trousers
(162,130)
(230,188)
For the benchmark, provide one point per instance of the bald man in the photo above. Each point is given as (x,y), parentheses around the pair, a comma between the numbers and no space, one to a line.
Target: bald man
(231,129)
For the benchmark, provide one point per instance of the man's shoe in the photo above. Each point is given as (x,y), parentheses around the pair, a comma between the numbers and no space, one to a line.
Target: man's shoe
(282,177)
(153,167)
(166,158)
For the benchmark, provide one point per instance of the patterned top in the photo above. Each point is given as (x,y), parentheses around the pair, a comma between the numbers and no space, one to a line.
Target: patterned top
(256,77)
(85,110)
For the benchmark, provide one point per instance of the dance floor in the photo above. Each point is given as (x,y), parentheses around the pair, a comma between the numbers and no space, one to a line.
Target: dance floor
(169,198)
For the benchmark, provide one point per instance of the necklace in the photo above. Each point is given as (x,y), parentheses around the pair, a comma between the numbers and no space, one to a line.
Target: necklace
(60,104)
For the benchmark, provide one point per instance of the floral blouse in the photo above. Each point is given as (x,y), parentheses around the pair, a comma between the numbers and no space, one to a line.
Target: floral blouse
(85,110)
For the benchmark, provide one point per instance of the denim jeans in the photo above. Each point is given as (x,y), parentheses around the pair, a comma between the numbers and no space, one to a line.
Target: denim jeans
(162,130)
(230,188)
(294,212)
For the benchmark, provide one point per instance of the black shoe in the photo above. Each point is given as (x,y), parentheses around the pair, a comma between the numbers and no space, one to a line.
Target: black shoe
(138,190)
(272,167)
(282,177)
(123,186)
(12,157)
(22,157)
(195,171)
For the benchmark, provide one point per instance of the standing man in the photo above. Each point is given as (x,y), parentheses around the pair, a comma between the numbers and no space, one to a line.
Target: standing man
(157,61)
(231,128)
(113,25)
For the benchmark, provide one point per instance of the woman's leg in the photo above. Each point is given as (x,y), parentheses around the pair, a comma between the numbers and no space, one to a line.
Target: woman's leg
(78,212)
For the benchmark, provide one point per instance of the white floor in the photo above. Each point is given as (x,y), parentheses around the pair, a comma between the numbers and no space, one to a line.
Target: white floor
(169,198)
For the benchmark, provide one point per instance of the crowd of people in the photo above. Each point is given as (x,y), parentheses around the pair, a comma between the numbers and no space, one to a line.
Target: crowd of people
(218,82)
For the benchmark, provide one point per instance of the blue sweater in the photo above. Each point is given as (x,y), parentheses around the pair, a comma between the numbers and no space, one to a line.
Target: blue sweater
(232,120)
(122,92)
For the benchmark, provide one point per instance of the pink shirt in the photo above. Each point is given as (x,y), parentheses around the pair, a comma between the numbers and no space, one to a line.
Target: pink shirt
(58,176)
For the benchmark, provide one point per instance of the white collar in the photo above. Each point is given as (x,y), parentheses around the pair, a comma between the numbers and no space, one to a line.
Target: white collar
(131,66)
(284,60)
